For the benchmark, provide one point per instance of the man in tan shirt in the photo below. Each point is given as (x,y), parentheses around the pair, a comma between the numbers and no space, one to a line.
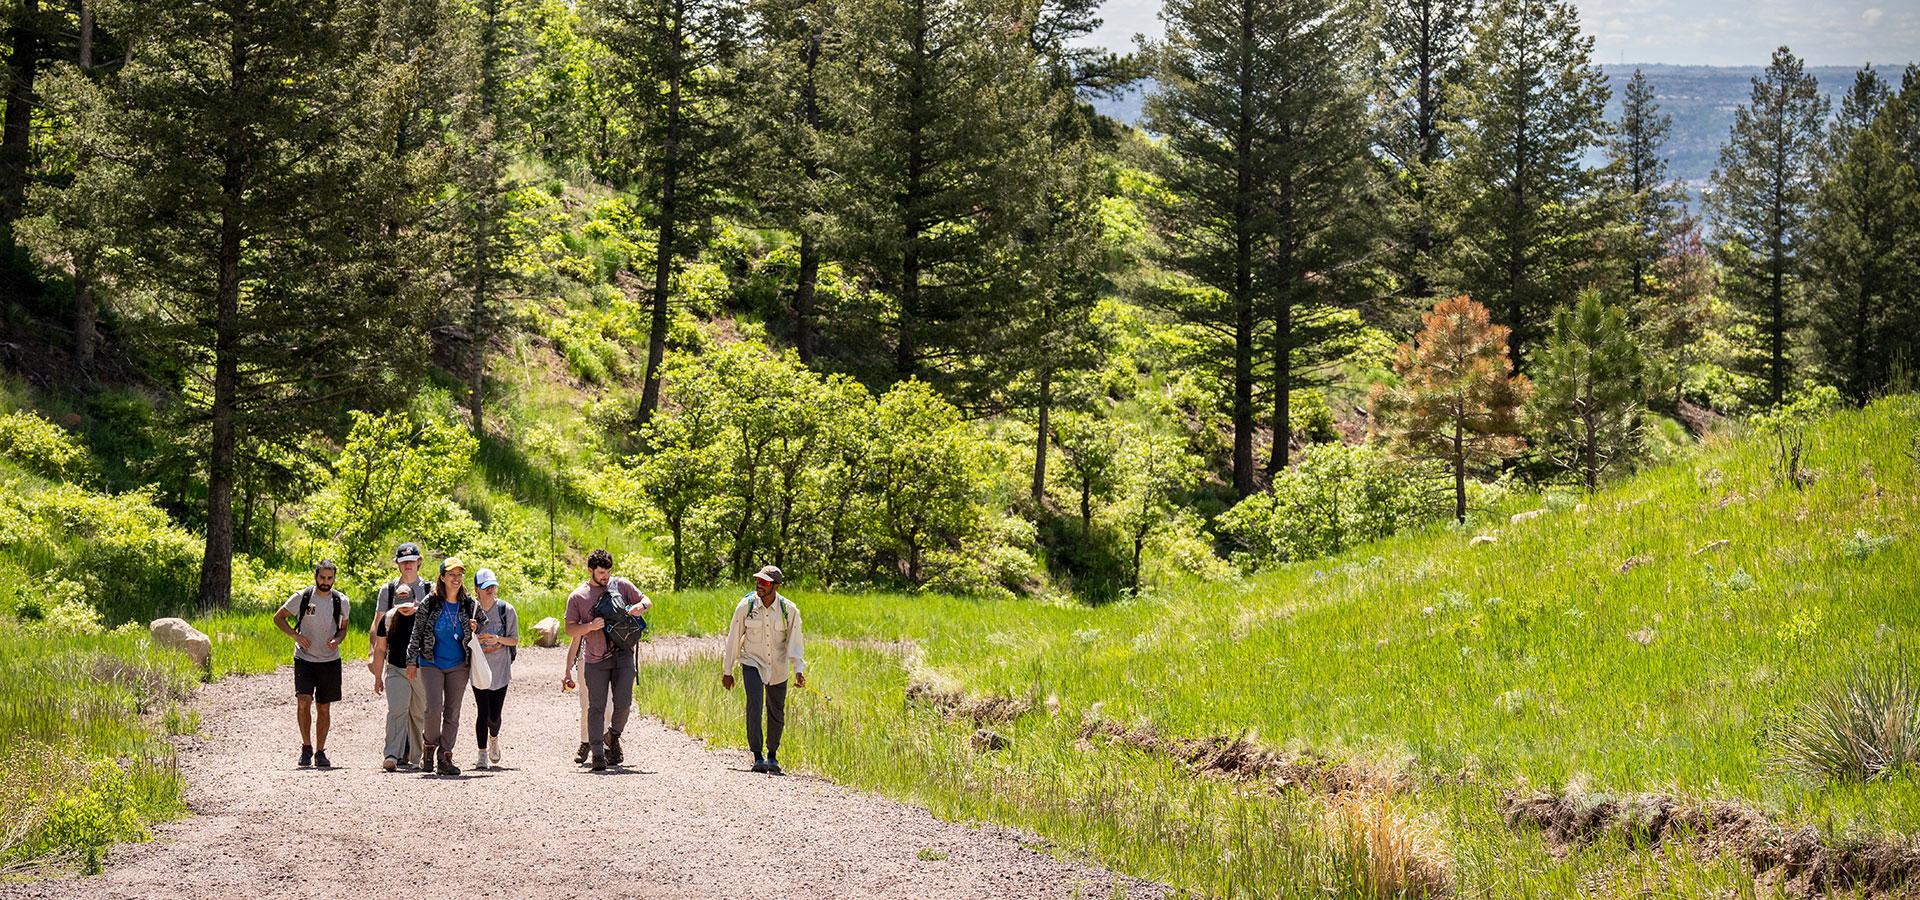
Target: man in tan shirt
(764,638)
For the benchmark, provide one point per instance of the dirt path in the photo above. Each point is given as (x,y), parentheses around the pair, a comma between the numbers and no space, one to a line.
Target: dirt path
(691,822)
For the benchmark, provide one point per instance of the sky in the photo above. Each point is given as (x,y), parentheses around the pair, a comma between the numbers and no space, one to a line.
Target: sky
(1688,32)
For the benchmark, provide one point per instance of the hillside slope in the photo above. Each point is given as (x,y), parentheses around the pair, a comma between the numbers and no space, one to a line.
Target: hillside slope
(1650,639)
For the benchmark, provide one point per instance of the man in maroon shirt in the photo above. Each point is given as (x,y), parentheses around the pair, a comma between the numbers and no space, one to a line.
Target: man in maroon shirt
(608,667)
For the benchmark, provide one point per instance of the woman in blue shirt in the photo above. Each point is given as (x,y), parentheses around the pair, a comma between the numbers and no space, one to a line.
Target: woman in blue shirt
(437,659)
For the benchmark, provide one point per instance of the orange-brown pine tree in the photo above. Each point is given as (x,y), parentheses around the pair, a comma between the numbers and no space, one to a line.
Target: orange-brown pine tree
(1458,399)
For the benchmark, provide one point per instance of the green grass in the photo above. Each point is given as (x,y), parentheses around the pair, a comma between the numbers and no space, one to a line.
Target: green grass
(1534,660)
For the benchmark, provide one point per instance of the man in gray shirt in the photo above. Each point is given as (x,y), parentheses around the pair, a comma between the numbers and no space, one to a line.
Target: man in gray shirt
(319,623)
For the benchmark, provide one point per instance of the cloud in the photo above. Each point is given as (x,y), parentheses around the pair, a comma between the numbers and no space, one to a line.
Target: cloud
(1872,15)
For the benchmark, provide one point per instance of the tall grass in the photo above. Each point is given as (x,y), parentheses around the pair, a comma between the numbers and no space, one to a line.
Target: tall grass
(1541,659)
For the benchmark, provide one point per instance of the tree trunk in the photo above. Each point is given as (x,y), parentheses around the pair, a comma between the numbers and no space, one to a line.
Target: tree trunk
(1243,201)
(803,297)
(1278,456)
(16,149)
(668,222)
(1044,407)
(1459,474)
(86,308)
(216,565)
(906,356)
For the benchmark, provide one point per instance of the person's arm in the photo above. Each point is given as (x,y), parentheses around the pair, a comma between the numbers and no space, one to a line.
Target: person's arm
(573,654)
(416,641)
(382,601)
(796,648)
(340,627)
(280,622)
(511,624)
(582,627)
(732,653)
(637,602)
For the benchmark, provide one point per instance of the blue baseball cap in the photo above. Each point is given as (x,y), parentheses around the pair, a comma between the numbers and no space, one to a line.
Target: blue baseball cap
(484,579)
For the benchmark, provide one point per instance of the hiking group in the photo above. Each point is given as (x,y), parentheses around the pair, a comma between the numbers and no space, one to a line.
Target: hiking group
(425,638)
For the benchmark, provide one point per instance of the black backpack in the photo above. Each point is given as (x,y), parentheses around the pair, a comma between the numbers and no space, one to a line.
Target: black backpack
(306,597)
(623,630)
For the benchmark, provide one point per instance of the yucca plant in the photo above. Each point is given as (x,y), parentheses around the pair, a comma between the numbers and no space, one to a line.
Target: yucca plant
(1864,728)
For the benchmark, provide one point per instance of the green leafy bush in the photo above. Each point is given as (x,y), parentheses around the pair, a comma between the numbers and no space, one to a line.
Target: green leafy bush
(1334,498)
(38,445)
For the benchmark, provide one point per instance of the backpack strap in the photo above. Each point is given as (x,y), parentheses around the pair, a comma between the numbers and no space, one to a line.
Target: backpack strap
(300,615)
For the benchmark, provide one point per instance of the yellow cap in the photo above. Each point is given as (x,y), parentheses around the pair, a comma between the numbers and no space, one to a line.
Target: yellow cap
(453,562)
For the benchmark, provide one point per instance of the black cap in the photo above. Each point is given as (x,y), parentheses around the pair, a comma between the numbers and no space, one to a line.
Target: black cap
(408,551)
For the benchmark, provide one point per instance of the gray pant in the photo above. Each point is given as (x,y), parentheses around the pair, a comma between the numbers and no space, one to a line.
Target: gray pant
(445,689)
(406,716)
(616,672)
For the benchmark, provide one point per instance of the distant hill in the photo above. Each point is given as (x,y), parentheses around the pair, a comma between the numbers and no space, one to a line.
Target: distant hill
(1701,100)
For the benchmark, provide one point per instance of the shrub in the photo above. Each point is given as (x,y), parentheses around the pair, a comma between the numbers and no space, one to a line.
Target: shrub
(1865,728)
(1335,497)
(40,446)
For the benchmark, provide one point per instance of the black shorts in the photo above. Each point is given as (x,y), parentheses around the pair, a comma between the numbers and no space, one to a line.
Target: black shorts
(320,679)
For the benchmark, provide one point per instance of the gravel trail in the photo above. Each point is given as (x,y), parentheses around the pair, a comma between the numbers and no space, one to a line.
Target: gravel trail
(679,820)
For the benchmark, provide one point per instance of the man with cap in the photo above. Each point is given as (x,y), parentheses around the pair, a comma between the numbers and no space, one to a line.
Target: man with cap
(319,615)
(764,638)
(608,668)
(393,610)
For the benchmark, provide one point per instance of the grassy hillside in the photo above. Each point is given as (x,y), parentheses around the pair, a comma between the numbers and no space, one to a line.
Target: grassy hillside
(1605,648)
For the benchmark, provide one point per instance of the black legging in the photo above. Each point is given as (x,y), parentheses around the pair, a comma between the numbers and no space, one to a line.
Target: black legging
(776,710)
(486,719)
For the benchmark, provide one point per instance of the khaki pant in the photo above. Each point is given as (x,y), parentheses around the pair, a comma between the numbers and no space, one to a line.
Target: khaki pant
(406,716)
(445,689)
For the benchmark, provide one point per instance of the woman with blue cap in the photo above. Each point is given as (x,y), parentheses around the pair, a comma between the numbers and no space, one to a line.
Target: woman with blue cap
(499,629)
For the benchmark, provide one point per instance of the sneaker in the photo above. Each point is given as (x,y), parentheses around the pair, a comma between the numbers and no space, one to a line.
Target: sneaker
(389,764)
(759,764)
(580,759)
(320,760)
(614,754)
(599,763)
(493,750)
(306,755)
(481,762)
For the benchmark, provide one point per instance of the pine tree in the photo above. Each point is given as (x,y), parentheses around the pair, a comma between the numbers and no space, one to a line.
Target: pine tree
(1762,188)
(1458,400)
(1266,148)
(1586,398)
(939,125)
(1423,49)
(486,137)
(1527,207)
(1863,242)
(1678,314)
(238,193)
(1640,182)
(679,61)
(788,38)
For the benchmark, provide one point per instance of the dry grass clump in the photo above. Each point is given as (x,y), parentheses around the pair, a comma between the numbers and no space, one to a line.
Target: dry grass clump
(1388,853)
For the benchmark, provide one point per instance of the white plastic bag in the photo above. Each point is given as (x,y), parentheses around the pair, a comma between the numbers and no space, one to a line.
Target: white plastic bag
(481,675)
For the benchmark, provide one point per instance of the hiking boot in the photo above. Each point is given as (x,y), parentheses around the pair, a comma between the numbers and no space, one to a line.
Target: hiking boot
(759,764)
(306,755)
(614,756)
(389,764)
(481,762)
(425,766)
(580,759)
(446,766)
(320,760)
(773,766)
(599,763)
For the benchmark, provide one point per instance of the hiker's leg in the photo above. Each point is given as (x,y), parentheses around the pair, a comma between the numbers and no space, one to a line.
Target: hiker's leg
(416,723)
(623,674)
(456,694)
(321,723)
(776,716)
(399,698)
(433,683)
(580,691)
(493,721)
(750,676)
(326,692)
(480,717)
(305,715)
(599,677)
